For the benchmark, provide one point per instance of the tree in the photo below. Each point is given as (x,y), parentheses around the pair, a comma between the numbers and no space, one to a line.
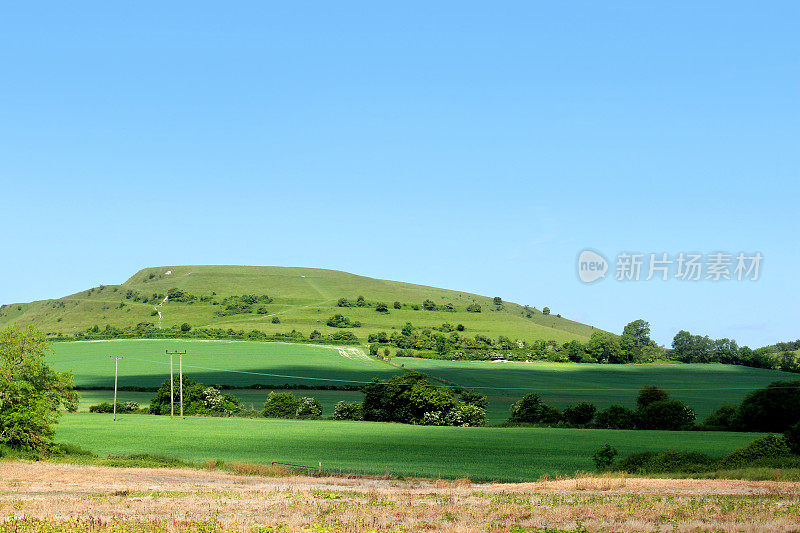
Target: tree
(528,409)
(185,327)
(666,414)
(361,302)
(197,399)
(640,330)
(605,348)
(772,409)
(429,305)
(546,311)
(497,300)
(280,405)
(381,307)
(616,417)
(347,411)
(397,305)
(580,414)
(792,437)
(650,395)
(604,456)
(308,409)
(343,302)
(31,393)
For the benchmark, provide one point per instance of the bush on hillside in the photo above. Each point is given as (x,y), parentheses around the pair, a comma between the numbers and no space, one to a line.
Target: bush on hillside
(765,447)
(773,409)
(580,414)
(308,409)
(723,418)
(667,415)
(792,437)
(616,417)
(280,405)
(340,321)
(650,395)
(531,410)
(345,410)
(604,456)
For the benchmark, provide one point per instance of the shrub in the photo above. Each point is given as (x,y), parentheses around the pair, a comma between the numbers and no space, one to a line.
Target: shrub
(466,415)
(185,327)
(773,409)
(308,409)
(429,305)
(665,462)
(381,307)
(344,302)
(397,305)
(340,321)
(530,409)
(792,438)
(276,320)
(579,414)
(103,407)
(722,418)
(650,395)
(280,405)
(604,456)
(474,308)
(765,447)
(666,414)
(347,411)
(616,417)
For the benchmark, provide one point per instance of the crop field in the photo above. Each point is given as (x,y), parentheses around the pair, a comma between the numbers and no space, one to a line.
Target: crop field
(501,454)
(241,363)
(704,387)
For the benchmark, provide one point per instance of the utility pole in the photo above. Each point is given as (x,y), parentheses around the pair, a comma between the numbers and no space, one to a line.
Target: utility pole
(171,381)
(116,359)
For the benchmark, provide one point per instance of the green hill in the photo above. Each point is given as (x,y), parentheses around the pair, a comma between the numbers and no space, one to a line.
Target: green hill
(286,299)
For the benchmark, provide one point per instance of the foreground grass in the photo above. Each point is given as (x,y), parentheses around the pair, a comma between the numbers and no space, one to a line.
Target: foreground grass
(502,454)
(69,499)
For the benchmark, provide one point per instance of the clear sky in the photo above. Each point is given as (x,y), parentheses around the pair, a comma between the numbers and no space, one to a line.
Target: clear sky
(477,146)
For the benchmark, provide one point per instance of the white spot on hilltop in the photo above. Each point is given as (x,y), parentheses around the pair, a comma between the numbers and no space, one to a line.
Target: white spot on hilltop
(168,272)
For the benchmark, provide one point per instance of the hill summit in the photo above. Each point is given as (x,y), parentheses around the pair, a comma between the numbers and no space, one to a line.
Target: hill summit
(281,299)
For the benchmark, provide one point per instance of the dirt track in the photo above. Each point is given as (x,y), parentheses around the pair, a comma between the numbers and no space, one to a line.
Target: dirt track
(174,496)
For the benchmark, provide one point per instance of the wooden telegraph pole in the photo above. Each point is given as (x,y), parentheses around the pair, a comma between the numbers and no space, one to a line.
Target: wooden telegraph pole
(171,381)
(116,359)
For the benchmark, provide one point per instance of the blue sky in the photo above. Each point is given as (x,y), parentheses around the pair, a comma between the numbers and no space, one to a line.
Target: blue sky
(474,146)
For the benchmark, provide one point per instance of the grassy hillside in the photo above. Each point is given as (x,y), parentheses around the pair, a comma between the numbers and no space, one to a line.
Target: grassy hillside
(503,454)
(302,299)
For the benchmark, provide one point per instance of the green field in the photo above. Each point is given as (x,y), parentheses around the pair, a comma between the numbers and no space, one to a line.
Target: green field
(502,454)
(303,300)
(704,387)
(234,363)
(242,364)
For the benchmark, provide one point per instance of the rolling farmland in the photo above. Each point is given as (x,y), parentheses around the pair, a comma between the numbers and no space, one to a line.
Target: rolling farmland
(501,454)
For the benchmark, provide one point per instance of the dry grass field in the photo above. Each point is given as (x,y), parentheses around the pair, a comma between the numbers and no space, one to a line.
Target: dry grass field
(47,497)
